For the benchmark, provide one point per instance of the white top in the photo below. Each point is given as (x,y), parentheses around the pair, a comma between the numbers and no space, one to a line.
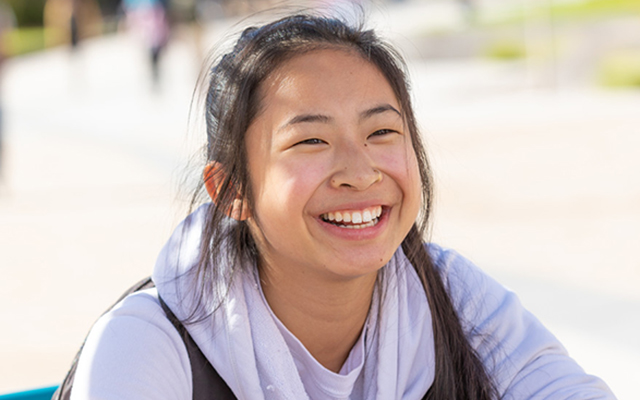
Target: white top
(319,382)
(134,352)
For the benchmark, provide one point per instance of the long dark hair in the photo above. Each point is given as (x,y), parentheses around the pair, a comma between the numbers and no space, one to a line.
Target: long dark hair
(232,102)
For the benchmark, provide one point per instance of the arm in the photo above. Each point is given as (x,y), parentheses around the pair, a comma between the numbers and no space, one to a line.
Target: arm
(134,352)
(525,359)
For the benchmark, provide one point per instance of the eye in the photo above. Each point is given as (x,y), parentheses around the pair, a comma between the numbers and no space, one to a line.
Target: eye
(311,141)
(382,132)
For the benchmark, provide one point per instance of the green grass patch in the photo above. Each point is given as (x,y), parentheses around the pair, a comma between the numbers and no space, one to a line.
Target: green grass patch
(571,11)
(596,7)
(23,40)
(621,70)
(505,50)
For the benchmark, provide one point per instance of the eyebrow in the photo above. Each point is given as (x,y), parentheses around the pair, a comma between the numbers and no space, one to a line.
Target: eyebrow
(378,110)
(308,118)
(302,118)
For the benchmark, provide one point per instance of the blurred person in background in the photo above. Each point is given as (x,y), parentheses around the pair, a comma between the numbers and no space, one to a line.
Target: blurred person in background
(70,21)
(149,19)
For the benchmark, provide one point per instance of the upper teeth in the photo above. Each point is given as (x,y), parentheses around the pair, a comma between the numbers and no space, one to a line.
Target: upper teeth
(356,217)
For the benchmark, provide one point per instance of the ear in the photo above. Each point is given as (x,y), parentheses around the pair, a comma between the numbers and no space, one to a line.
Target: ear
(214,176)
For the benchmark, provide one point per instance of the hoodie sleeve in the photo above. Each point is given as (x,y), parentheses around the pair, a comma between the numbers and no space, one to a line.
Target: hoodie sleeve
(524,358)
(134,352)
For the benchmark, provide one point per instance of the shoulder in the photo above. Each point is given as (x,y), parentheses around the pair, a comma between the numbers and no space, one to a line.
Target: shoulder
(525,359)
(134,352)
(488,310)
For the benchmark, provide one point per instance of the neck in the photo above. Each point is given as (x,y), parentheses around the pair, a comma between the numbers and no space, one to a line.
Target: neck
(327,316)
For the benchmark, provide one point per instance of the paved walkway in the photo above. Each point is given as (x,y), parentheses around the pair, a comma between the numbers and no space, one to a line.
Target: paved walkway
(540,187)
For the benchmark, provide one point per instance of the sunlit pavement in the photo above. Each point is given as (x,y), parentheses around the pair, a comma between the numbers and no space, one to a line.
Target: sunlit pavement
(538,184)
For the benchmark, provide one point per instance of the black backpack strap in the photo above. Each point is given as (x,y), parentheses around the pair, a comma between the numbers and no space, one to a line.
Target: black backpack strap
(64,390)
(207,383)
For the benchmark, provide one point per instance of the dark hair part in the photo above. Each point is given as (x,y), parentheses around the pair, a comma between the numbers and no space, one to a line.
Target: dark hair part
(232,103)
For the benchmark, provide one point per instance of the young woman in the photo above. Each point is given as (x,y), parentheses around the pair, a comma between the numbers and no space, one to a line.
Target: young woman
(307,275)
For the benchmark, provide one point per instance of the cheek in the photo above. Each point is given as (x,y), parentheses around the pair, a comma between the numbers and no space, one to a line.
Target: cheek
(287,188)
(401,164)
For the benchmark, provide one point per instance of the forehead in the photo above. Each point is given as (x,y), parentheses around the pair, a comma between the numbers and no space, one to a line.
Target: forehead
(324,79)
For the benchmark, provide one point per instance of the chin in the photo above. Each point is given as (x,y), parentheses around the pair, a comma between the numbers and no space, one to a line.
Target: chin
(358,268)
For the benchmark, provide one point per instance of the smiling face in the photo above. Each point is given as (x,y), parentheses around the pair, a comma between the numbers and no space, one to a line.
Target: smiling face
(334,176)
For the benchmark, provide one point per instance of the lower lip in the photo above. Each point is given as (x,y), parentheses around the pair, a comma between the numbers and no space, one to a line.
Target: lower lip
(367,233)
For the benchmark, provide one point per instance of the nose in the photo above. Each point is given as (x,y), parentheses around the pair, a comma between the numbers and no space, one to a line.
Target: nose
(354,168)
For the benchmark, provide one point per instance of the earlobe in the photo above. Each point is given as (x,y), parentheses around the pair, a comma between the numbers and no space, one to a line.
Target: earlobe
(214,176)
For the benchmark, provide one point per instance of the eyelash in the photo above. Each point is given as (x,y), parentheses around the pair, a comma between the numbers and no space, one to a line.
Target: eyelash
(381,132)
(312,141)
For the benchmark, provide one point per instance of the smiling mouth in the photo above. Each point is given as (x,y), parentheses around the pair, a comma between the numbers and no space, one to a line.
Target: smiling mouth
(357,219)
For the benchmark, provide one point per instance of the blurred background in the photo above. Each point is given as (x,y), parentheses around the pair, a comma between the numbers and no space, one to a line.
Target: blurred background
(530,110)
